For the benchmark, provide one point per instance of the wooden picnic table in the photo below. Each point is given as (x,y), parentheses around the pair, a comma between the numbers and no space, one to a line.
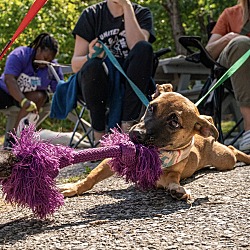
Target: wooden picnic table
(186,77)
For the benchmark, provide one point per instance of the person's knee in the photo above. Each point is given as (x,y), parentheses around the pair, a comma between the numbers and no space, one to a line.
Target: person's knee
(239,45)
(39,97)
(143,48)
(240,41)
(236,48)
(91,67)
(91,74)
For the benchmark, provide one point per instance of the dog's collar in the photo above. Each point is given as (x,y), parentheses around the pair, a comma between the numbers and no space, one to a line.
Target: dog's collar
(171,157)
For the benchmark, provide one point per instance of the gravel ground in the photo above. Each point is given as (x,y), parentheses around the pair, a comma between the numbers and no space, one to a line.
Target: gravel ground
(116,215)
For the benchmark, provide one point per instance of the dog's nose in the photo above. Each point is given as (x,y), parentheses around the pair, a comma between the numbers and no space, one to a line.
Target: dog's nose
(137,135)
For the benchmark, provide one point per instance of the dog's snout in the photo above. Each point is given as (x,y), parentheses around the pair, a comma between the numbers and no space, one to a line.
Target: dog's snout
(137,135)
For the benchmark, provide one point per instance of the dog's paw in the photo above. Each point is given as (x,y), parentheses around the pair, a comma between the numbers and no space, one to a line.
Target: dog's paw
(68,189)
(178,192)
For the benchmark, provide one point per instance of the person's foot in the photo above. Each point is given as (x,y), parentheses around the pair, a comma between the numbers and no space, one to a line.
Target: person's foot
(30,118)
(245,143)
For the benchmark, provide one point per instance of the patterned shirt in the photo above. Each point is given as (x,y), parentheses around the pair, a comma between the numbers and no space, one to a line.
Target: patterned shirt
(20,64)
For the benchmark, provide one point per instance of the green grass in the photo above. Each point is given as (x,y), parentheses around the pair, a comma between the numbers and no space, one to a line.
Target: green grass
(227,126)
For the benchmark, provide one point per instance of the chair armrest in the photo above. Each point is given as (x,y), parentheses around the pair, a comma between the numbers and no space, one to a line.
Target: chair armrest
(201,54)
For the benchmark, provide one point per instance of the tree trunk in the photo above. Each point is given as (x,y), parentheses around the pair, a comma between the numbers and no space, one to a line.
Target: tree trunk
(172,7)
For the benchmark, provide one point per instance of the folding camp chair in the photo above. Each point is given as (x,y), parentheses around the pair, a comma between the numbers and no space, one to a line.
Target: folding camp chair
(222,98)
(83,125)
(75,116)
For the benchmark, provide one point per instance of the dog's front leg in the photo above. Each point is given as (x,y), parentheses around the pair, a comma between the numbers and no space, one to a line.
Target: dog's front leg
(170,180)
(101,172)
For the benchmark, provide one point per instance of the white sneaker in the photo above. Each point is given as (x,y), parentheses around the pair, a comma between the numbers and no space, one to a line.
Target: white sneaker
(30,118)
(245,143)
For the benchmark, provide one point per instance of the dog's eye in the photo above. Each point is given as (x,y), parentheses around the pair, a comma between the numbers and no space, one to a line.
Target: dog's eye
(174,124)
(150,108)
(172,121)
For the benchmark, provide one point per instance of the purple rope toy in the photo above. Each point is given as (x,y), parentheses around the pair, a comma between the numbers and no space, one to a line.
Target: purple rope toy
(32,181)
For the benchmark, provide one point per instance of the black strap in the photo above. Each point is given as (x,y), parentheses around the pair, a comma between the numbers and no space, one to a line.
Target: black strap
(246,28)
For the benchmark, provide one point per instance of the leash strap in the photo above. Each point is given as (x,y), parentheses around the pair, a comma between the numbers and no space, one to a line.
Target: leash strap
(37,5)
(226,75)
(114,61)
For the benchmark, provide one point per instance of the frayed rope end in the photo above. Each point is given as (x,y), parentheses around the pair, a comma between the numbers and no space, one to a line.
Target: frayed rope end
(144,170)
(32,183)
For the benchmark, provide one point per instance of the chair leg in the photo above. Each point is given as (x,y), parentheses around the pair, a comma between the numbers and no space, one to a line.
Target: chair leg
(232,130)
(218,109)
(88,132)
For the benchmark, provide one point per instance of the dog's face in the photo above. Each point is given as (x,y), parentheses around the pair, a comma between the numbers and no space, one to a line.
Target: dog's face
(170,121)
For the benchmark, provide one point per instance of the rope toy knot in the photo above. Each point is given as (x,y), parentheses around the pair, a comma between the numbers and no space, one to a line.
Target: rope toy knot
(128,152)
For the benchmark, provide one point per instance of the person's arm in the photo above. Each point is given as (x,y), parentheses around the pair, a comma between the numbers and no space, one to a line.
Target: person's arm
(83,52)
(134,33)
(11,83)
(80,53)
(218,42)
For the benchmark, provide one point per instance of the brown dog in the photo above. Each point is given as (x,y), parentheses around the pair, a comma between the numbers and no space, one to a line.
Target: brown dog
(186,139)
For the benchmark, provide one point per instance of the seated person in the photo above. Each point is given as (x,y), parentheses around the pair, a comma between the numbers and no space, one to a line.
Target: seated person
(126,29)
(227,45)
(25,83)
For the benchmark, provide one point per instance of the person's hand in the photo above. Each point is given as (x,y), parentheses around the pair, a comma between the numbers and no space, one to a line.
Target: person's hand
(231,35)
(29,106)
(122,3)
(32,107)
(92,49)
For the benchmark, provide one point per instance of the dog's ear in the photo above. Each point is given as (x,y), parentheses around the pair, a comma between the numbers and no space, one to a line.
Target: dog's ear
(167,87)
(205,127)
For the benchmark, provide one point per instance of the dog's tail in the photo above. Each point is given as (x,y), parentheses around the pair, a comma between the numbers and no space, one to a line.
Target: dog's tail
(240,156)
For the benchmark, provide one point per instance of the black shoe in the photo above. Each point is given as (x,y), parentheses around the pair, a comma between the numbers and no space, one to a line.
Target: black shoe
(9,142)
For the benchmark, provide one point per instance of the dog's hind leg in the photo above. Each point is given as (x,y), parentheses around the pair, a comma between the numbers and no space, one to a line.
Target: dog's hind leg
(101,172)
(225,157)
(221,157)
(240,156)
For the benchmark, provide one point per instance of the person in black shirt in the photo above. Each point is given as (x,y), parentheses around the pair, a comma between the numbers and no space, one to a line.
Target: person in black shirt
(127,30)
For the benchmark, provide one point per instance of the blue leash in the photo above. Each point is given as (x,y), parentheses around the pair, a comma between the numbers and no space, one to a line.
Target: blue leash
(114,61)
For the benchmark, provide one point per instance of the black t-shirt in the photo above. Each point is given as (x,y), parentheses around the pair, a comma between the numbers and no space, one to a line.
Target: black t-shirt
(97,21)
